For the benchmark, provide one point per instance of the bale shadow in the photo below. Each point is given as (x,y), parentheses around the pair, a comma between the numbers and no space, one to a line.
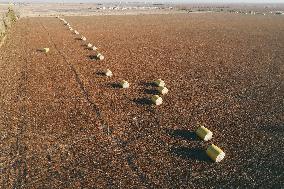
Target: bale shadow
(190,153)
(142,101)
(183,133)
(100,73)
(93,57)
(148,84)
(39,50)
(151,91)
(277,128)
(114,85)
(85,46)
(78,39)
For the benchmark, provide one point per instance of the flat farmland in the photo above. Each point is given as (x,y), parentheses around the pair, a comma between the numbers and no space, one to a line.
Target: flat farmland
(64,125)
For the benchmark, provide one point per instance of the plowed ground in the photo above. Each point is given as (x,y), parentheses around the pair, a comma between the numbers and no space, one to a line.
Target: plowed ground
(64,125)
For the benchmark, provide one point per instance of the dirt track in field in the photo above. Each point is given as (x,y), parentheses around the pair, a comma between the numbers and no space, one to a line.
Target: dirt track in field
(63,125)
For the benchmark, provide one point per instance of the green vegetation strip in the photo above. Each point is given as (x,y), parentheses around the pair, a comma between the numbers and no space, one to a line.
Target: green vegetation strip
(6,22)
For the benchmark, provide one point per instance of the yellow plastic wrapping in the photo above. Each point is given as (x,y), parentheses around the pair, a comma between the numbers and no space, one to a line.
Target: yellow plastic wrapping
(124,84)
(204,133)
(94,48)
(46,50)
(160,83)
(108,73)
(215,153)
(100,56)
(163,90)
(157,100)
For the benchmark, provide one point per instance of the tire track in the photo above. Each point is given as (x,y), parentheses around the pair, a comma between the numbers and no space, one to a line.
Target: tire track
(94,106)
(20,165)
(130,158)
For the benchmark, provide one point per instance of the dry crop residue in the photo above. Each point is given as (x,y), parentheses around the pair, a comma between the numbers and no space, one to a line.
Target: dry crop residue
(224,70)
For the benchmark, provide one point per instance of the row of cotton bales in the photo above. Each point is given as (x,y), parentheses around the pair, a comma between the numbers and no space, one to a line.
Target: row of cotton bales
(259,13)
(156,99)
(162,89)
(214,152)
(97,56)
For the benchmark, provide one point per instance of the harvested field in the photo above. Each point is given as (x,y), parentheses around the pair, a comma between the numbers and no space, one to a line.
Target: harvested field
(64,125)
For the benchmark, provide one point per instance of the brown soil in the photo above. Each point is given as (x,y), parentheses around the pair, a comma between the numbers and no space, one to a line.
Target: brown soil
(64,125)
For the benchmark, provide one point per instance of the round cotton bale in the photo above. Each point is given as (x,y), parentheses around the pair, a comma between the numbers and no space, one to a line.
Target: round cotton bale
(204,133)
(94,48)
(215,153)
(83,38)
(46,50)
(160,83)
(108,73)
(124,84)
(157,100)
(89,45)
(100,56)
(163,90)
(76,32)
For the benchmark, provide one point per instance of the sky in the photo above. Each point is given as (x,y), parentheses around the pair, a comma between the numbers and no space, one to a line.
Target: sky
(179,1)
